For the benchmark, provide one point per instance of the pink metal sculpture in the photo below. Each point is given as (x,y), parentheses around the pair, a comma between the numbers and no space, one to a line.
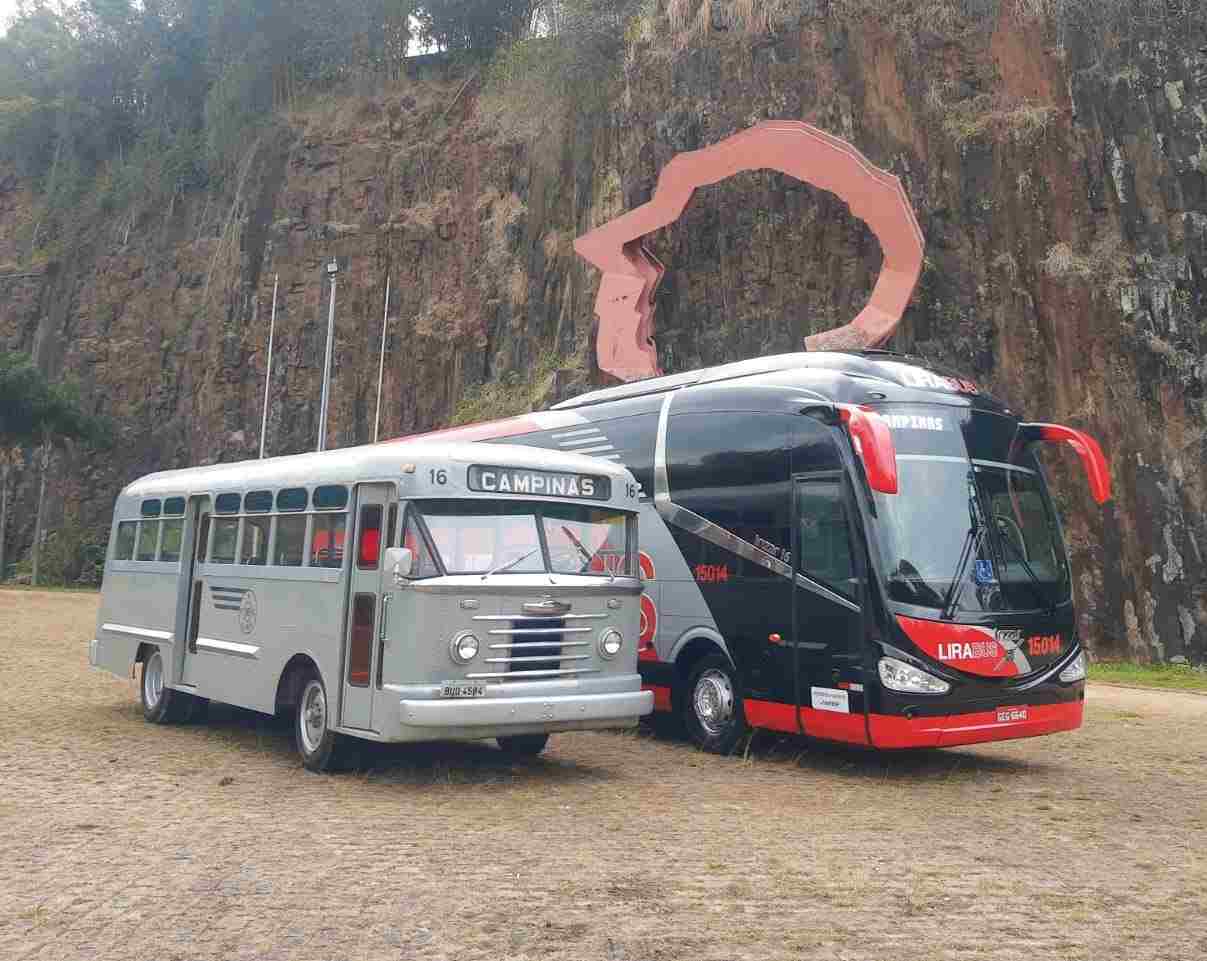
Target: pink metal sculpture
(631,274)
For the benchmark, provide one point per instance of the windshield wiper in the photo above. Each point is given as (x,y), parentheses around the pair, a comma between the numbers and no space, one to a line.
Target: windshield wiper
(1047,601)
(510,564)
(972,542)
(583,550)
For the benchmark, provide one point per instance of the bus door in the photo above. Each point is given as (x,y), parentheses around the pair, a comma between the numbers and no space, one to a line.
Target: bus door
(365,603)
(825,616)
(188,612)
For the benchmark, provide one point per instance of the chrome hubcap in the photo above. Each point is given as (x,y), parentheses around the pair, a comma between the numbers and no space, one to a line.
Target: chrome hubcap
(152,680)
(713,701)
(314,716)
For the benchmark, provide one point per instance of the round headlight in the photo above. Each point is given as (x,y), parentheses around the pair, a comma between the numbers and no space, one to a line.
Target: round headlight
(610,642)
(464,648)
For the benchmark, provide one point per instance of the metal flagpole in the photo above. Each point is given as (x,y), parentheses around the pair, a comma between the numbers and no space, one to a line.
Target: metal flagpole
(272,326)
(381,364)
(332,270)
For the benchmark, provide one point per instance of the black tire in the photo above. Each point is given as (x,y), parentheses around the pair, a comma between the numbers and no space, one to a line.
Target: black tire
(161,704)
(712,706)
(523,745)
(199,710)
(321,748)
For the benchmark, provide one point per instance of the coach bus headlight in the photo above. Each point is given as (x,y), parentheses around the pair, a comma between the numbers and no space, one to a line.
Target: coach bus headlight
(610,642)
(464,648)
(898,676)
(1076,669)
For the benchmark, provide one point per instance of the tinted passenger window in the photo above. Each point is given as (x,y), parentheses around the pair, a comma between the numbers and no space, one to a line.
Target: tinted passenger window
(174,506)
(150,508)
(148,535)
(227,504)
(255,540)
(292,499)
(291,540)
(203,537)
(226,535)
(825,544)
(327,541)
(360,651)
(169,547)
(123,548)
(392,527)
(331,497)
(258,502)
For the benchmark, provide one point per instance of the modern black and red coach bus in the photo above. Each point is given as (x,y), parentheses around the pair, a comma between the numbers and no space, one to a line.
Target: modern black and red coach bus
(853,546)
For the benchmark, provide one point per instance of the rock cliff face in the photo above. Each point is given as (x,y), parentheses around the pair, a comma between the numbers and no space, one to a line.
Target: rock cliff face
(1061,184)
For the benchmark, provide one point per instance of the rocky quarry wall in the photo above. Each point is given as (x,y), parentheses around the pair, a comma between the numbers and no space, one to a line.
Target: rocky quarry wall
(1061,186)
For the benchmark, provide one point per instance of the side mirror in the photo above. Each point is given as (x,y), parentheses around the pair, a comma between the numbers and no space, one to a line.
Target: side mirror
(873,442)
(400,561)
(1097,471)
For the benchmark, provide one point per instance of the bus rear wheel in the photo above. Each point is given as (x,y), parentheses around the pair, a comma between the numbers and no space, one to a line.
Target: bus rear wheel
(160,703)
(319,746)
(712,709)
(523,745)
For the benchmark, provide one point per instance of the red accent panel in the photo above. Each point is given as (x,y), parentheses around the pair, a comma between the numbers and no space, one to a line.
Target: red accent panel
(649,630)
(974,650)
(891,731)
(509,427)
(662,696)
(647,566)
(874,442)
(1097,470)
(827,725)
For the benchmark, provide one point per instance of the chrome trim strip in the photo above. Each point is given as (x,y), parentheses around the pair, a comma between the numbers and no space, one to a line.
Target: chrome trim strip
(216,646)
(942,458)
(537,617)
(539,630)
(1003,466)
(705,529)
(542,644)
(165,636)
(572,446)
(536,660)
(594,450)
(524,675)
(576,433)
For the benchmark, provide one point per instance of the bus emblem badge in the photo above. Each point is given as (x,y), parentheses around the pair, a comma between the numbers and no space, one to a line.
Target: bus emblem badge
(247,612)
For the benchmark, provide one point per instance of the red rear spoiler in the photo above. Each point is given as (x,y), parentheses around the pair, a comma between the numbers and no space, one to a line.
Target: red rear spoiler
(1098,472)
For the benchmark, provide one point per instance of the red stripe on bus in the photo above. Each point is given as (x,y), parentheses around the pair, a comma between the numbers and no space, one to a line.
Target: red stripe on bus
(827,725)
(662,696)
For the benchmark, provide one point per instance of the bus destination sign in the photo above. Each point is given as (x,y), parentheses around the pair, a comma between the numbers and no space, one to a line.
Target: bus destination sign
(511,480)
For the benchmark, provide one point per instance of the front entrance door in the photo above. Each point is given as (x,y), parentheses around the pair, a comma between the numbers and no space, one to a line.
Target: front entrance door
(826,594)
(361,654)
(188,616)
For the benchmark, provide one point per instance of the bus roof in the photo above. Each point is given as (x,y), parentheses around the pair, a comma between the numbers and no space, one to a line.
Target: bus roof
(367,462)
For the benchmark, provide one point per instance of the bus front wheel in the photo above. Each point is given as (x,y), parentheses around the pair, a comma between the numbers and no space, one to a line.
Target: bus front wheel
(160,703)
(318,745)
(712,709)
(523,745)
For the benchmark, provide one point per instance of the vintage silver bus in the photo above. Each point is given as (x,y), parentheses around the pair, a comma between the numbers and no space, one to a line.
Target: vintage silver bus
(415,592)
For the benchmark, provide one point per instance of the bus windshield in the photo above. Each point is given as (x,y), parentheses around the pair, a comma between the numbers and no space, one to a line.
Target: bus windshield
(970,533)
(477,537)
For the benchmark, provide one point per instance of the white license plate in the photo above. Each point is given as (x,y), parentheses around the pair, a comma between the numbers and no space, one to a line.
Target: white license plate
(1008,715)
(462,689)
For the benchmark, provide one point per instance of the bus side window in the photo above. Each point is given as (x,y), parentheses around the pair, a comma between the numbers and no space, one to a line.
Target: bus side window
(360,651)
(327,542)
(412,539)
(169,547)
(226,535)
(148,540)
(392,527)
(203,537)
(291,540)
(255,540)
(123,547)
(825,544)
(368,548)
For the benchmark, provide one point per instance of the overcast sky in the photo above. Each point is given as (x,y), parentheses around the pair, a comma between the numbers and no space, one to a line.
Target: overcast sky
(6,11)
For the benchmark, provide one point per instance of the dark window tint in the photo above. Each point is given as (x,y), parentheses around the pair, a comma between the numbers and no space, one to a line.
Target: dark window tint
(327,541)
(292,499)
(391,527)
(368,549)
(148,536)
(169,545)
(258,502)
(291,540)
(413,540)
(226,535)
(226,504)
(150,508)
(123,547)
(203,537)
(824,537)
(255,540)
(174,506)
(732,468)
(332,497)
(360,650)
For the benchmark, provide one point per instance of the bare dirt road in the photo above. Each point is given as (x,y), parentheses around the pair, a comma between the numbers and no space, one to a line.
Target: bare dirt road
(126,841)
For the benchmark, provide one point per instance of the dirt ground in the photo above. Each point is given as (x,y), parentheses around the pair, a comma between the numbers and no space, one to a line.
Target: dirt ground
(123,840)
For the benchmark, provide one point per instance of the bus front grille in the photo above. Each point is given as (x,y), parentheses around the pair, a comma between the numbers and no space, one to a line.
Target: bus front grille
(527,648)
